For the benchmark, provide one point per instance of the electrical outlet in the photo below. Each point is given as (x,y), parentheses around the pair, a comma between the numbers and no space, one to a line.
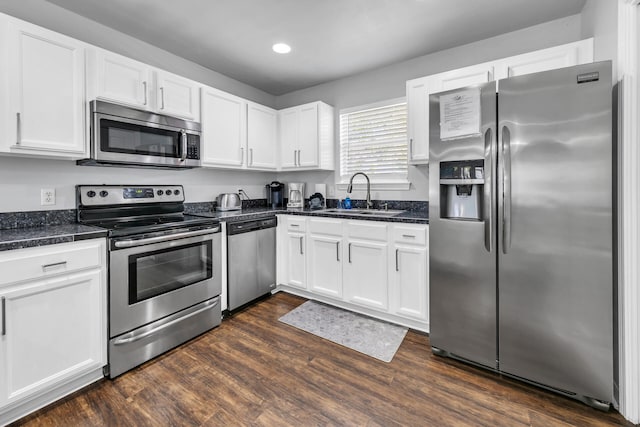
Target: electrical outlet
(47,196)
(331,191)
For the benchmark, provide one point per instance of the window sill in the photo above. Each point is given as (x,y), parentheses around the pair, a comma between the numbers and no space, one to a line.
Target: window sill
(376,186)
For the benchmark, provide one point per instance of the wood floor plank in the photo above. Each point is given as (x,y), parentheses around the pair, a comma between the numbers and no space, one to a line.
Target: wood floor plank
(256,371)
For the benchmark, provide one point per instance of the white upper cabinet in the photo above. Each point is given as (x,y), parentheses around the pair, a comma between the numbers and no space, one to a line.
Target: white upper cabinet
(580,52)
(418,90)
(122,80)
(262,137)
(224,127)
(44,80)
(177,96)
(306,137)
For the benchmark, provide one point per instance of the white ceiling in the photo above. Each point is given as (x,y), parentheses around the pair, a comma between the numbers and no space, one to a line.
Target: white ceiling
(330,39)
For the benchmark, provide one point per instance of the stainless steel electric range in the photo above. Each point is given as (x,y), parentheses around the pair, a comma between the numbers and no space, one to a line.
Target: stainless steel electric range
(164,269)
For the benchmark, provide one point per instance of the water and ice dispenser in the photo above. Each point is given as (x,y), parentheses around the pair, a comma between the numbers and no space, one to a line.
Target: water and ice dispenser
(461,189)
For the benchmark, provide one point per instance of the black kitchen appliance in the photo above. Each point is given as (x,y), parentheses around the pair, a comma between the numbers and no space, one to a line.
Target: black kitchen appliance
(275,195)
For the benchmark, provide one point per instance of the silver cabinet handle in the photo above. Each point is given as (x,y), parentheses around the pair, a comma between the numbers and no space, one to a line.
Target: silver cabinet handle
(183,138)
(250,156)
(408,236)
(4,316)
(506,188)
(301,250)
(397,269)
(488,189)
(139,242)
(162,98)
(337,251)
(295,159)
(241,156)
(349,253)
(411,149)
(133,337)
(18,129)
(144,84)
(294,225)
(299,157)
(54,265)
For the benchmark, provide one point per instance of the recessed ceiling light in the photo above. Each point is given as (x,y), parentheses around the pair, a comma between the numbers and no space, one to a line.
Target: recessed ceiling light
(281,48)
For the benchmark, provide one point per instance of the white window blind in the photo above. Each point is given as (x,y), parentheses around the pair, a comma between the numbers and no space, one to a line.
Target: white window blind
(373,140)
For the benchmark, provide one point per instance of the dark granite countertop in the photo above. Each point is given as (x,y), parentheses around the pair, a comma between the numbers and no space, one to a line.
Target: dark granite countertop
(19,238)
(415,217)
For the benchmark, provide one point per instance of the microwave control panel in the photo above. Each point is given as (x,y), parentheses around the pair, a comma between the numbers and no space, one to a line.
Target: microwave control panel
(193,147)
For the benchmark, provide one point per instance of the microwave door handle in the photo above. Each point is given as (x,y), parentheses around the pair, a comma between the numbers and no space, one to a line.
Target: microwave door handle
(183,140)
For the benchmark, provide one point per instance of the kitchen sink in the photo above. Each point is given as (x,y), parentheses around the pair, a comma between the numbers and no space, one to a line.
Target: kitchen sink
(363,212)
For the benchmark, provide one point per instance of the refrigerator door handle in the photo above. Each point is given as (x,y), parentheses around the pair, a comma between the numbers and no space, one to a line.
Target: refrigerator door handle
(506,189)
(488,189)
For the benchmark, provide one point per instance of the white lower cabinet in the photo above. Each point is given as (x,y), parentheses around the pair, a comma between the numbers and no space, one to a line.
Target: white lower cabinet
(366,274)
(376,268)
(409,297)
(325,257)
(53,324)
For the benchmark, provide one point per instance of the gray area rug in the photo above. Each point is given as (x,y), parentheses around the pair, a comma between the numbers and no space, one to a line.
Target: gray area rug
(372,337)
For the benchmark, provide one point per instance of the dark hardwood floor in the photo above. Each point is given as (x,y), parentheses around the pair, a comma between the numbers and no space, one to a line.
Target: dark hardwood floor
(254,370)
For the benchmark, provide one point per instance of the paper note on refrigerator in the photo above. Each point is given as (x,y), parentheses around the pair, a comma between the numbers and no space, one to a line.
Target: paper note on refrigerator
(460,114)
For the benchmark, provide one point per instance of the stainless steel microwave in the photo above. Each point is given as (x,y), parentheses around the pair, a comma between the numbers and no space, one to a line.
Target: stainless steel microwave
(129,137)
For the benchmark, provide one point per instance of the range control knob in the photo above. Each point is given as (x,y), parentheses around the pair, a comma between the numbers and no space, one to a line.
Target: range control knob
(176,192)
(168,192)
(104,193)
(91,193)
(159,192)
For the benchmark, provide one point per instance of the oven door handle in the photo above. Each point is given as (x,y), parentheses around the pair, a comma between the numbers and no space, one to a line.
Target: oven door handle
(133,336)
(138,242)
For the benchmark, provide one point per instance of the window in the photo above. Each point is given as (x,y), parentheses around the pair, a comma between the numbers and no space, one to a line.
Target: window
(373,140)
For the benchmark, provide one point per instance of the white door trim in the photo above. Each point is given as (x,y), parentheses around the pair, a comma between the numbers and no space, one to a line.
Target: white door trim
(628,210)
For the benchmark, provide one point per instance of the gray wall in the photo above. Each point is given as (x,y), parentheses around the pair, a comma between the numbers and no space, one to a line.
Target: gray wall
(389,82)
(599,19)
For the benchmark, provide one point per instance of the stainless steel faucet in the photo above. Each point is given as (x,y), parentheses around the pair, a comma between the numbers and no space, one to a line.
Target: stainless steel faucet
(350,187)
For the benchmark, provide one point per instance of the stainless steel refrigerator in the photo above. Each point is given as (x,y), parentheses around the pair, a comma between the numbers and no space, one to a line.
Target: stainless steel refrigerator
(521,220)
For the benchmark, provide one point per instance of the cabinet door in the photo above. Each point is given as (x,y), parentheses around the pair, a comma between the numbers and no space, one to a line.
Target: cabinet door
(289,124)
(418,116)
(46,78)
(566,55)
(54,331)
(224,121)
(296,264)
(409,287)
(366,274)
(308,136)
(262,136)
(325,265)
(123,80)
(177,96)
(462,77)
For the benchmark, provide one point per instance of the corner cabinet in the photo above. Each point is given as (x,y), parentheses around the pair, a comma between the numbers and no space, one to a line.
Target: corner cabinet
(44,82)
(376,268)
(418,90)
(54,331)
(306,137)
(224,127)
(262,137)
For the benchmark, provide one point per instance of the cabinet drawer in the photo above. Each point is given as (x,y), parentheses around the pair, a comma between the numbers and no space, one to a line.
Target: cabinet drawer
(331,227)
(35,263)
(410,234)
(368,230)
(296,224)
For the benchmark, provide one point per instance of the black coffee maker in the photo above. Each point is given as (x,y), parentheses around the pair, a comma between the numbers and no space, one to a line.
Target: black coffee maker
(275,195)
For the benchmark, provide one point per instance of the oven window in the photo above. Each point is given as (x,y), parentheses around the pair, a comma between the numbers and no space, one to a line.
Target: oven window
(158,272)
(119,137)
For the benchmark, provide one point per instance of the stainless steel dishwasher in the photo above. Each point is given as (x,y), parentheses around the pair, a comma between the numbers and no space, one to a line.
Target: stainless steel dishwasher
(251,260)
